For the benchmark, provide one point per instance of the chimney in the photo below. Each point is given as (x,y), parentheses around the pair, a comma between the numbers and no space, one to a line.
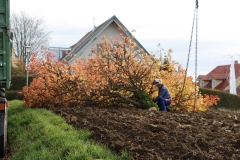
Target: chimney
(235,62)
(93,24)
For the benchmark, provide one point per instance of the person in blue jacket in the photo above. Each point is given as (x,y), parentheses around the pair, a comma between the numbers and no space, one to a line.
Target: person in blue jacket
(164,98)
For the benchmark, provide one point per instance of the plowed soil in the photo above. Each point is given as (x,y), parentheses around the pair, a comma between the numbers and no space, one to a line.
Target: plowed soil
(155,135)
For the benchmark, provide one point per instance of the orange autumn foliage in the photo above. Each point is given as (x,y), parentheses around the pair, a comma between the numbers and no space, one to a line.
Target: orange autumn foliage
(119,74)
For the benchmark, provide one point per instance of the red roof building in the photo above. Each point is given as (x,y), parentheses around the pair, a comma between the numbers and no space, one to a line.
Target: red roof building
(218,78)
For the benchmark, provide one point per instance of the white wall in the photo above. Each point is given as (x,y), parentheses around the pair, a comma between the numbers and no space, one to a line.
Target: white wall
(110,32)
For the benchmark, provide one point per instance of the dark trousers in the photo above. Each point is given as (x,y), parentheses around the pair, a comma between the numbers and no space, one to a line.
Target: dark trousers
(162,104)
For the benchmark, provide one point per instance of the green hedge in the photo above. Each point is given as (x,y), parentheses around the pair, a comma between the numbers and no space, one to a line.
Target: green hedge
(18,82)
(227,100)
(12,95)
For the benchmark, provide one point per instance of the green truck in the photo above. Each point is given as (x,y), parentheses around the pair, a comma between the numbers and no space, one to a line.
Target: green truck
(5,70)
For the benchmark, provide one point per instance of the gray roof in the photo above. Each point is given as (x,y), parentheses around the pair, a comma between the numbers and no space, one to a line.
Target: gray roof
(91,34)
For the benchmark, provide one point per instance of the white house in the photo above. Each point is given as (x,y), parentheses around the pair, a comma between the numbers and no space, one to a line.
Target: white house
(59,52)
(110,29)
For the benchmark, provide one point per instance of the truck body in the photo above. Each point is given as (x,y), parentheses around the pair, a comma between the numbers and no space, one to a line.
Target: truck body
(5,70)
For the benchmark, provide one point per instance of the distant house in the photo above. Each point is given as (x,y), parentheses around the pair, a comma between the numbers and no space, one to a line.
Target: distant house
(218,78)
(110,29)
(59,52)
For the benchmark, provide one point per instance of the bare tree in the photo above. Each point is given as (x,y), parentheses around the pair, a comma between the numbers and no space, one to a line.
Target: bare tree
(28,31)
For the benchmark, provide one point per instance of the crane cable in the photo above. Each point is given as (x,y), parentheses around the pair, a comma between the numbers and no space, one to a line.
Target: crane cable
(195,17)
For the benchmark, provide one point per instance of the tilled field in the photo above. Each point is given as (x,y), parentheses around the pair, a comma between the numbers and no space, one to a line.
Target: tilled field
(155,135)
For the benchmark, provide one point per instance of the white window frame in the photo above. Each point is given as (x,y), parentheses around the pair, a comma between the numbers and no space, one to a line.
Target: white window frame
(213,83)
(201,84)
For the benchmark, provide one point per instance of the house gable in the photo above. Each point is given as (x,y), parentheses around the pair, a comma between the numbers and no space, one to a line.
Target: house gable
(110,29)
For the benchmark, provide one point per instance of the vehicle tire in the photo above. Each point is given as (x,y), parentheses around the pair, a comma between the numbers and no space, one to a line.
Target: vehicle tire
(3,137)
(2,92)
(3,125)
(3,146)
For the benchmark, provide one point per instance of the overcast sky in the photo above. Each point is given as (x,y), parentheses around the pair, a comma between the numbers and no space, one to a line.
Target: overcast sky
(168,22)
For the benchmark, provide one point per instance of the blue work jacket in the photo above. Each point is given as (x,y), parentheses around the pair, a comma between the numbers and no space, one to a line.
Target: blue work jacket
(163,92)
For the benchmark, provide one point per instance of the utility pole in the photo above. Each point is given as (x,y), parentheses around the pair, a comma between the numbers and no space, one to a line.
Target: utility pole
(27,53)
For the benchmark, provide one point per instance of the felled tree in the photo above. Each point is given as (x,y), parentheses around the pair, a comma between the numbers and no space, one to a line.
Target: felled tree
(119,74)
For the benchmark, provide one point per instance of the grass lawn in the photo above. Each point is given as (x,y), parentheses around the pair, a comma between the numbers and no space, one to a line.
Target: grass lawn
(38,134)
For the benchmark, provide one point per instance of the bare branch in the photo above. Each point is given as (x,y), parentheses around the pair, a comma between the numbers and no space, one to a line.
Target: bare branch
(28,31)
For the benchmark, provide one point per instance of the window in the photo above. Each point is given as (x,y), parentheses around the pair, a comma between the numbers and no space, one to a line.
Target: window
(201,84)
(213,83)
